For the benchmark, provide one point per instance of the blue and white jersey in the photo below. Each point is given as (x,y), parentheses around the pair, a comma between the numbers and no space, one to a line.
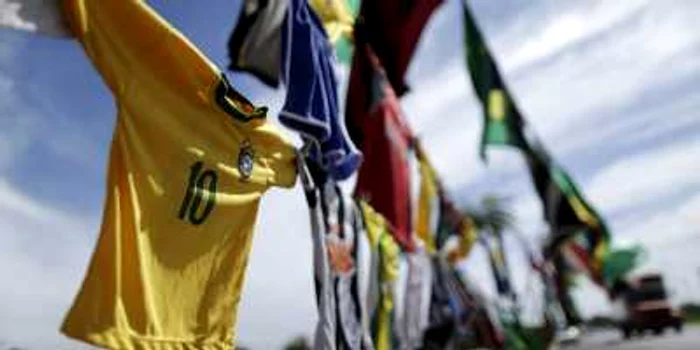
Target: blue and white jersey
(311,106)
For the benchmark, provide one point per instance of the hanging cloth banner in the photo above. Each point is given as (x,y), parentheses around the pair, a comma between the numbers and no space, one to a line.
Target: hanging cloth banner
(38,16)
(613,267)
(453,223)
(389,251)
(564,207)
(183,189)
(442,316)
(427,197)
(335,224)
(255,46)
(325,332)
(384,178)
(566,210)
(416,300)
(499,267)
(256,43)
(338,17)
(467,236)
(392,28)
(450,220)
(311,105)
(503,124)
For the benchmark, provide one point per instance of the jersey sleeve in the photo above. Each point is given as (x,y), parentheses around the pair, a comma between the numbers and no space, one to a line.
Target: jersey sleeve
(129,43)
(282,163)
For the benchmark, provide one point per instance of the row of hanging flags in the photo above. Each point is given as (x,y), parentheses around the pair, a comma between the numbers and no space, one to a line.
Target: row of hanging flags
(577,231)
(385,36)
(298,43)
(375,142)
(384,40)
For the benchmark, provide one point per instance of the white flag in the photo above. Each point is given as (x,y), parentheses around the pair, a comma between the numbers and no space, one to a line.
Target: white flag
(38,16)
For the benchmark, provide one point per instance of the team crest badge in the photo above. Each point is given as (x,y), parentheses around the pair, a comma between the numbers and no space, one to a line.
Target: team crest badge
(246,160)
(339,256)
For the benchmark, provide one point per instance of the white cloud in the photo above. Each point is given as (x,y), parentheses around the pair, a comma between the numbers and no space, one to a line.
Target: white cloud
(597,57)
(666,227)
(9,16)
(558,26)
(40,247)
(594,80)
(42,16)
(16,123)
(42,253)
(638,180)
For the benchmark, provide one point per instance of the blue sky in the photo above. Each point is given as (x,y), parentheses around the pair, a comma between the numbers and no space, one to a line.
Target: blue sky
(610,87)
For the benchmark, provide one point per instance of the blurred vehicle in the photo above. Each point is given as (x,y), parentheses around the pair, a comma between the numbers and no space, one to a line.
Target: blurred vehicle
(645,306)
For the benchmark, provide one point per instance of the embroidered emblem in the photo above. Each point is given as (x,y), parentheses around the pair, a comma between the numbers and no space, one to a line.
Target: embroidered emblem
(246,160)
(340,256)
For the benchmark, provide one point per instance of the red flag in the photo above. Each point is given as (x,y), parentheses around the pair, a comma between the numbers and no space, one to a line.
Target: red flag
(383,180)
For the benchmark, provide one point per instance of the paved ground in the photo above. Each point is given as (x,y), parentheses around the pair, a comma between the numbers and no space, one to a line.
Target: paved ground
(688,340)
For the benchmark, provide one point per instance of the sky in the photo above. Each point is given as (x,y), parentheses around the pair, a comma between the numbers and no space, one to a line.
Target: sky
(612,88)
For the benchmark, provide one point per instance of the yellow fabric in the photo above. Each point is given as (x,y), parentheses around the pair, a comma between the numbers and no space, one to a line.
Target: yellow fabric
(582,212)
(168,268)
(497,105)
(374,223)
(428,192)
(599,255)
(389,254)
(467,237)
(336,17)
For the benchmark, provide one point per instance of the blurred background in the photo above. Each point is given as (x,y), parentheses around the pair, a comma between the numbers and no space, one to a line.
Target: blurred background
(612,88)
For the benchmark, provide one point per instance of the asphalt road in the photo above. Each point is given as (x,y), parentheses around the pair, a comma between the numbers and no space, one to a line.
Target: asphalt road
(689,339)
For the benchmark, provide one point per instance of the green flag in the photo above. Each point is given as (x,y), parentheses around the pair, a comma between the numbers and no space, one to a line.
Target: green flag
(573,221)
(503,124)
(620,262)
(565,209)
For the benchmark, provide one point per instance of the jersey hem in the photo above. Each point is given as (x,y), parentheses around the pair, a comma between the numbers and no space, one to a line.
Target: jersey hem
(308,126)
(115,340)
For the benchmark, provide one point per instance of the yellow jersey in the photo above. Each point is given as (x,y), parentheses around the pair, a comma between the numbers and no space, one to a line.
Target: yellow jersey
(189,162)
(381,240)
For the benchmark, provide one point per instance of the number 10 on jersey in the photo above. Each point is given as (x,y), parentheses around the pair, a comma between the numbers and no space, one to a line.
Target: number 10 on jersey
(201,187)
